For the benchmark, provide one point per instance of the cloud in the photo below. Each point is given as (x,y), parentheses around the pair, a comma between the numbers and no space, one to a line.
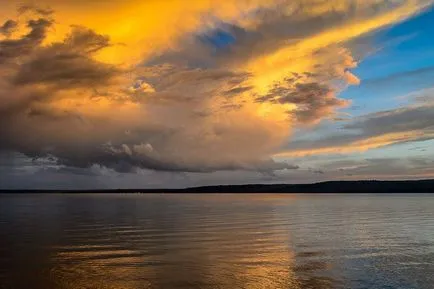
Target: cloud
(35,9)
(383,168)
(7,28)
(11,49)
(83,112)
(406,124)
(69,63)
(313,101)
(34,74)
(220,90)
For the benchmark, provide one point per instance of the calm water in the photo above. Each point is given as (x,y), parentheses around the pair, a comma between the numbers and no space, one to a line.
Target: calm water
(216,241)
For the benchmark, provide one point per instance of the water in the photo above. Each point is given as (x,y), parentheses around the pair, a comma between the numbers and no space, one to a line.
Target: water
(216,241)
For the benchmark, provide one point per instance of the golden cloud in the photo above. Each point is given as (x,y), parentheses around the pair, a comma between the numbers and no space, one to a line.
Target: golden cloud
(149,74)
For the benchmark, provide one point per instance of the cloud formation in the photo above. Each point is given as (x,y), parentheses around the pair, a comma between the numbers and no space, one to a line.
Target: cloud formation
(382,168)
(313,101)
(7,28)
(410,123)
(220,91)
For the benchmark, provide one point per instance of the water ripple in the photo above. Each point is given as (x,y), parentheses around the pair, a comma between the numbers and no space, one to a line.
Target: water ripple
(216,241)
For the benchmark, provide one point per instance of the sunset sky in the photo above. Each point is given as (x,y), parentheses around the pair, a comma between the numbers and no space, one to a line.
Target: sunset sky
(175,93)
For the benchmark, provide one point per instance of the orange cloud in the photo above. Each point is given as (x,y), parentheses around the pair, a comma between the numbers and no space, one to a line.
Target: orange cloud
(139,85)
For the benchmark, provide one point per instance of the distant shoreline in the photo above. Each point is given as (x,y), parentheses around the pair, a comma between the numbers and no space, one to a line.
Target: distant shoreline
(378,187)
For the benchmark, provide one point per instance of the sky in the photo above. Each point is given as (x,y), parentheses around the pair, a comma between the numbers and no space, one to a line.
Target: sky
(150,94)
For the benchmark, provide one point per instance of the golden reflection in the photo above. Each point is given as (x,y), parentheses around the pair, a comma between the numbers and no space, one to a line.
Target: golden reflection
(248,247)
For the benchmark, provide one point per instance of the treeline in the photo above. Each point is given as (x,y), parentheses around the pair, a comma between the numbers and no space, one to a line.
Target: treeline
(418,186)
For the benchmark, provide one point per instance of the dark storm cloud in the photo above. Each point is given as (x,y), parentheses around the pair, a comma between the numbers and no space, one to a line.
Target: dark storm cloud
(128,158)
(20,172)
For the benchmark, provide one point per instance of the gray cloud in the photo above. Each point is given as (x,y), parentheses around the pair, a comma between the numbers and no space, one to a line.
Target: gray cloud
(316,171)
(424,72)
(20,172)
(128,158)
(414,123)
(383,167)
(397,120)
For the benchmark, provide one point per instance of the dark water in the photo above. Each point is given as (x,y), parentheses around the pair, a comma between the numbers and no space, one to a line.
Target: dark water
(216,241)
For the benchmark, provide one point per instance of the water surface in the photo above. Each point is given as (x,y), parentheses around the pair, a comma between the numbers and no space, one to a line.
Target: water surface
(216,241)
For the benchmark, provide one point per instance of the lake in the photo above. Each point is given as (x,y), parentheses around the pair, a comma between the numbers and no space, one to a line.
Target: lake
(131,241)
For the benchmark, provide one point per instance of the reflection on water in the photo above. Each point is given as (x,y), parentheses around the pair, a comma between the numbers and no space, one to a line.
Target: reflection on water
(216,241)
